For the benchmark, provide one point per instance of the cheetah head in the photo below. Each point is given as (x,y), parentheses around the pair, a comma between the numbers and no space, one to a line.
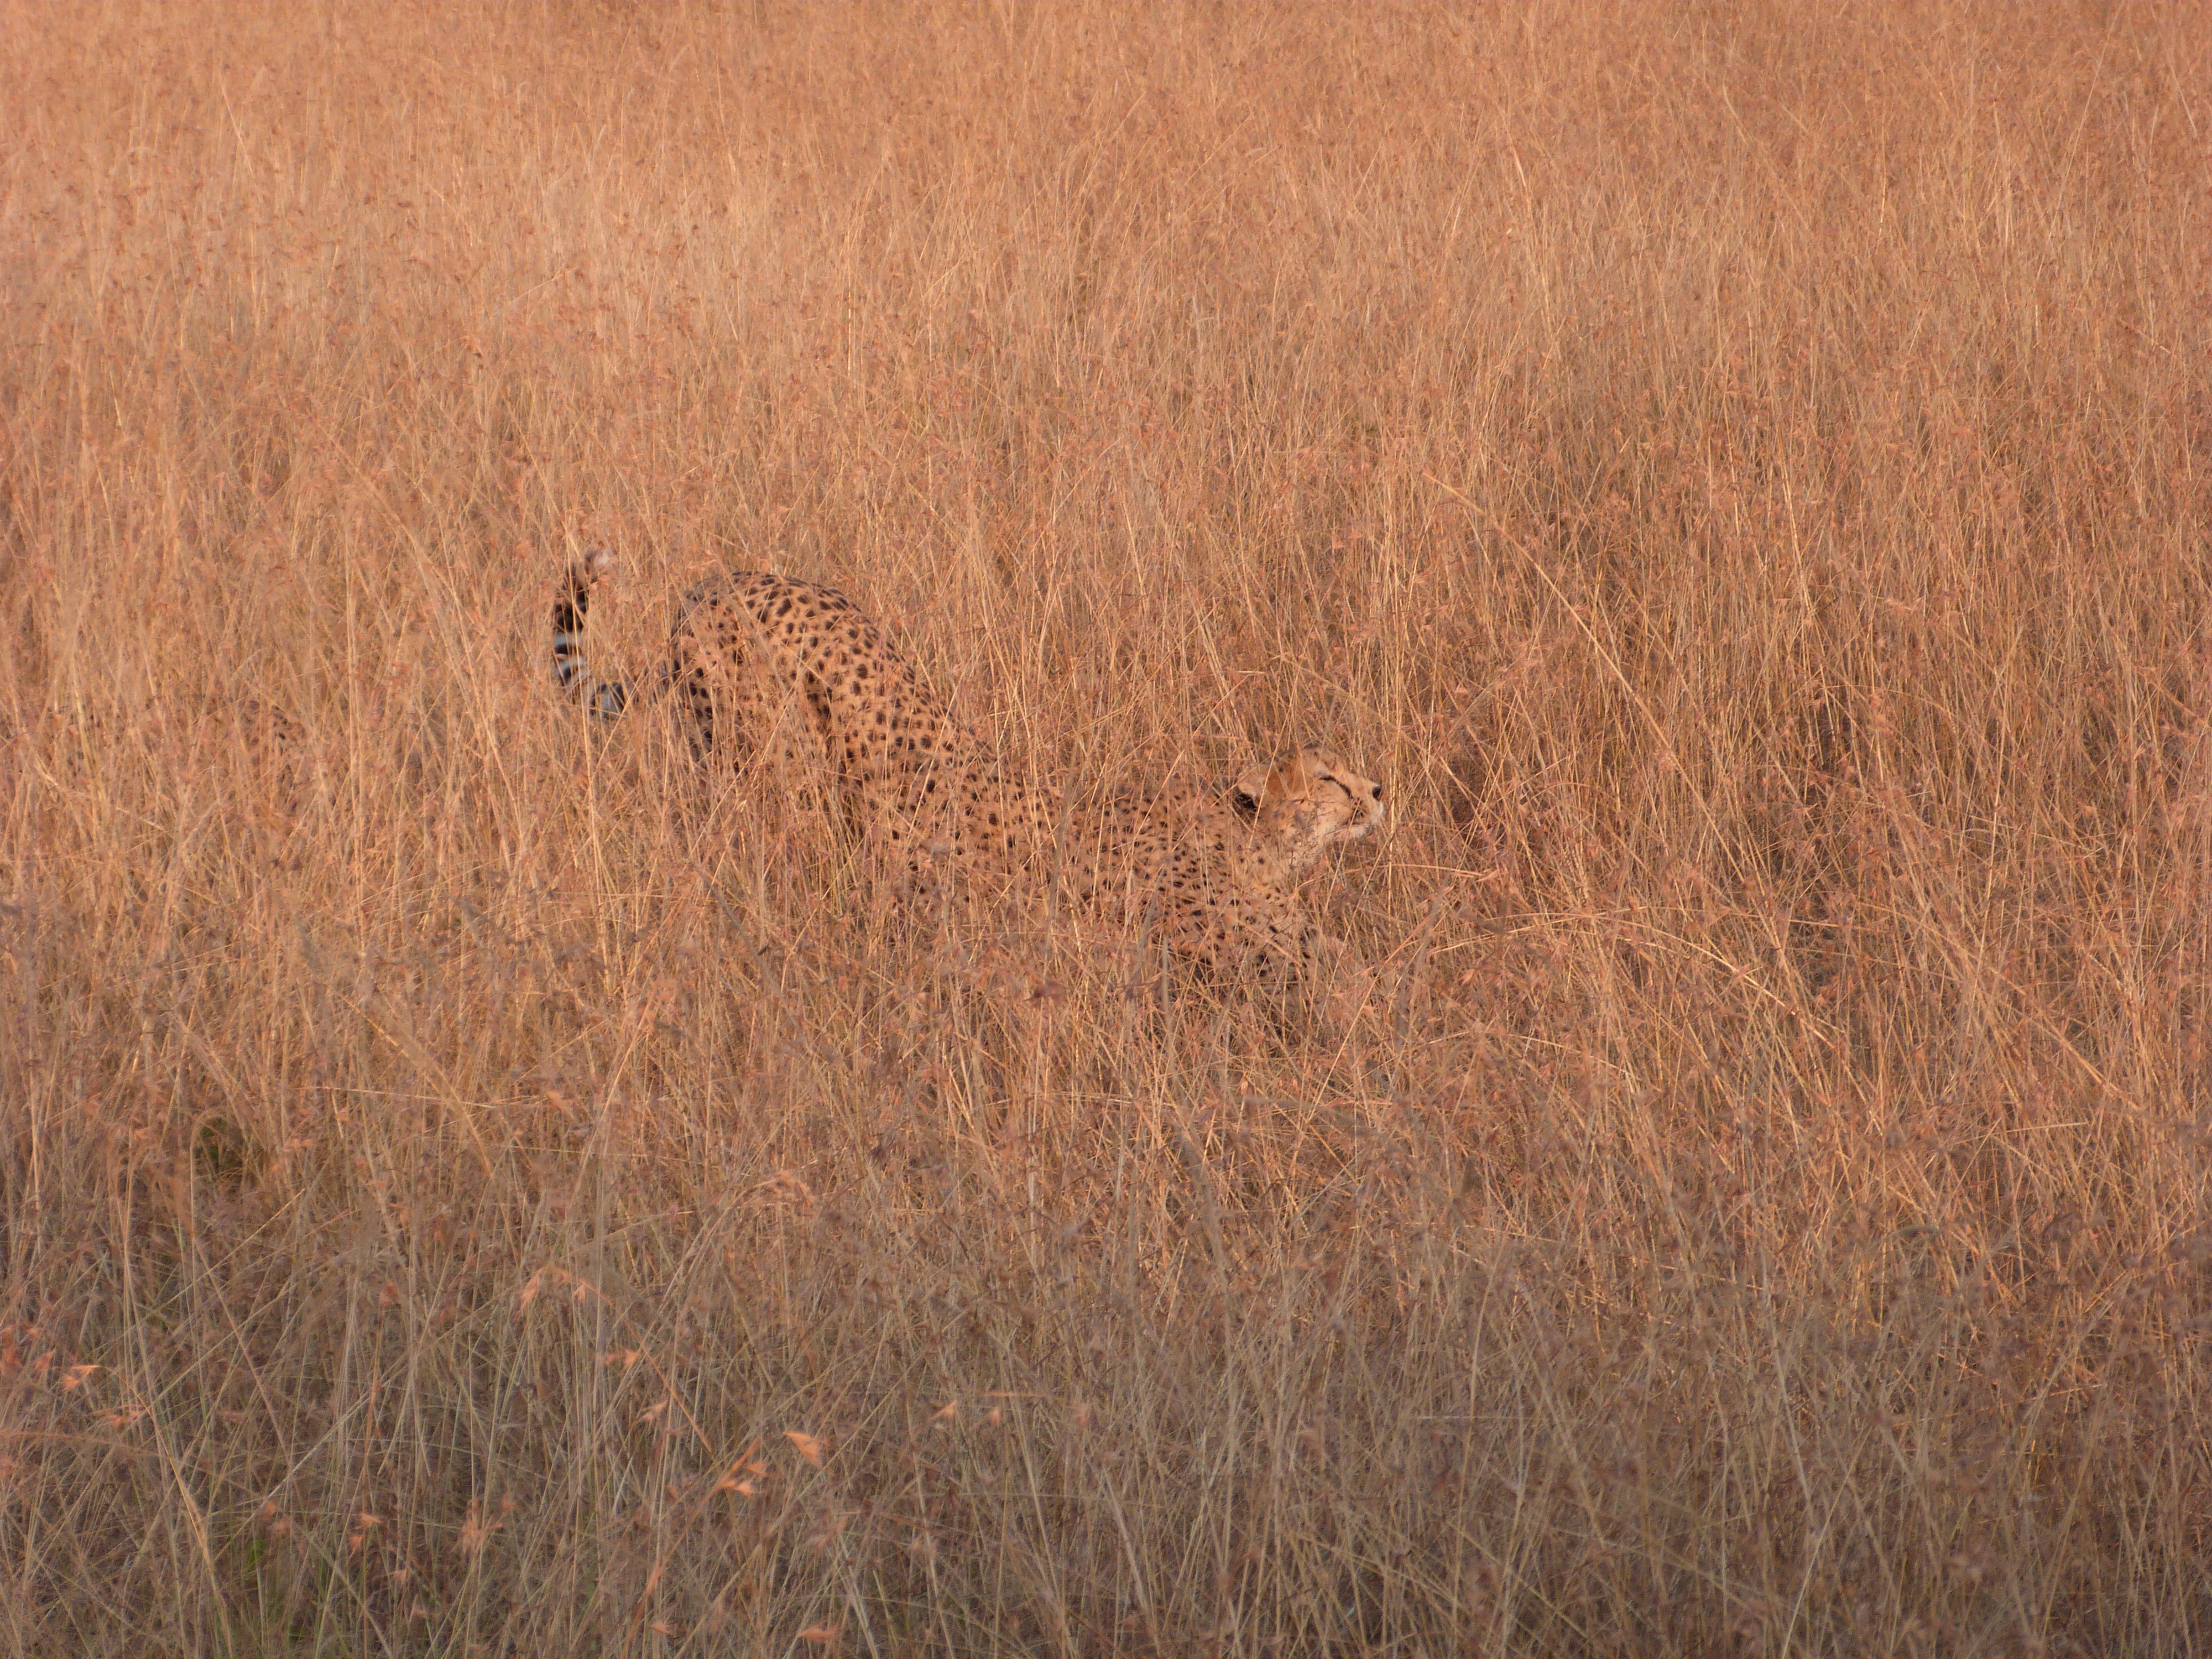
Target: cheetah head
(1310,801)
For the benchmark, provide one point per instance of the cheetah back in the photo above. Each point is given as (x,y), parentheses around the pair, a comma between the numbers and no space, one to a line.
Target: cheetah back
(796,674)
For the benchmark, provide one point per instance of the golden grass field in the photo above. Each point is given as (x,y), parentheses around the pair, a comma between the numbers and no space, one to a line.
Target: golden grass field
(475,1184)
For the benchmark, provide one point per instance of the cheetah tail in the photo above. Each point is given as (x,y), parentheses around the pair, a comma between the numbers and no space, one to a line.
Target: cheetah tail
(570,672)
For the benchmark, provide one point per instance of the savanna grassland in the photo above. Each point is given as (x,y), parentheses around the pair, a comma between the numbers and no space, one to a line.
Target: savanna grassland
(475,1184)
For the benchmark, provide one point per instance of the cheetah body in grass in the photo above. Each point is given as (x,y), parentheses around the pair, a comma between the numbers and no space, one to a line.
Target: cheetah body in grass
(789,677)
(792,680)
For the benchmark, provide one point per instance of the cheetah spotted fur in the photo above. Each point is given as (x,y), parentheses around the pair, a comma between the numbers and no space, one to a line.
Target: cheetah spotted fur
(795,678)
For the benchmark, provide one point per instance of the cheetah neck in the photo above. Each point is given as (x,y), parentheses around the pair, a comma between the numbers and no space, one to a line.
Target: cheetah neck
(1260,863)
(1280,846)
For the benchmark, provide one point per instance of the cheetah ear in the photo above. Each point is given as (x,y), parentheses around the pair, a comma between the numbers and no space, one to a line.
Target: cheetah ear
(1263,785)
(1247,793)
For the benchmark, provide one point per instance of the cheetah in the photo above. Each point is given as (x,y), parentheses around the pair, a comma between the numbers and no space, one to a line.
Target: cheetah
(775,671)
(203,726)
(253,734)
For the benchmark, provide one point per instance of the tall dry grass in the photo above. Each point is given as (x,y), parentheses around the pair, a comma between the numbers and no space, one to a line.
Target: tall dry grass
(1737,473)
